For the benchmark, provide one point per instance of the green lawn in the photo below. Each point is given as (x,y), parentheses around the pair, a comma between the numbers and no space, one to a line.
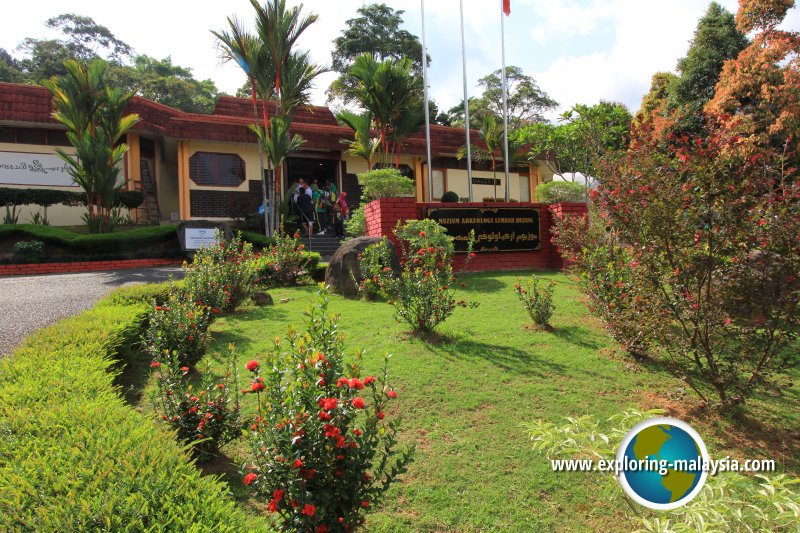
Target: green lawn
(464,395)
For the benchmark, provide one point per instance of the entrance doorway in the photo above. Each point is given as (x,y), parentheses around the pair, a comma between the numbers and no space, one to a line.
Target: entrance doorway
(310,169)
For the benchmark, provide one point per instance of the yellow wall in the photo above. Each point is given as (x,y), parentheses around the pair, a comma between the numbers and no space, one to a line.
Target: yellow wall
(58,215)
(457,182)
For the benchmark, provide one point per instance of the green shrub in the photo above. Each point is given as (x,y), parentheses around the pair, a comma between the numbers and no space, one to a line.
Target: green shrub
(356,225)
(284,263)
(373,260)
(450,197)
(423,294)
(47,197)
(220,275)
(384,183)
(324,448)
(205,417)
(29,251)
(145,293)
(75,457)
(537,298)
(103,245)
(179,326)
(553,192)
(258,240)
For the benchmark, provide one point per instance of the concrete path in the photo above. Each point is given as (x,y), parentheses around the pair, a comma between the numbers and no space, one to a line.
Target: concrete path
(28,303)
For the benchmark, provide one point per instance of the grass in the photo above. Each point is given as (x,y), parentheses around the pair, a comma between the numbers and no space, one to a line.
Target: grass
(465,392)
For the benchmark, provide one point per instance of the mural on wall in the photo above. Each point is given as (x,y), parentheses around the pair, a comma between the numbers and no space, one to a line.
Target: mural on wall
(19,168)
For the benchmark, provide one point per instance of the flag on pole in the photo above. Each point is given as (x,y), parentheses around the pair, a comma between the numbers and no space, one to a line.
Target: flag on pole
(507,7)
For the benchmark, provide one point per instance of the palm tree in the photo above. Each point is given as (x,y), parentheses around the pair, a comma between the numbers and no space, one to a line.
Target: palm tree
(364,144)
(275,73)
(390,90)
(94,116)
(241,46)
(278,141)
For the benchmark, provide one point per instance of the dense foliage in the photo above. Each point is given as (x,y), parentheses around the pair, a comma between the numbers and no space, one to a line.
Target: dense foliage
(284,263)
(701,231)
(423,295)
(76,457)
(178,328)
(553,192)
(325,448)
(205,417)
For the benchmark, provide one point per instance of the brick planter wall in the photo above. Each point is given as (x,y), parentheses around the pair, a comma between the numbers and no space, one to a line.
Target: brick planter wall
(86,266)
(382,216)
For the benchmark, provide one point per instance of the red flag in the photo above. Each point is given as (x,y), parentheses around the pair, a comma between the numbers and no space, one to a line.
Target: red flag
(507,7)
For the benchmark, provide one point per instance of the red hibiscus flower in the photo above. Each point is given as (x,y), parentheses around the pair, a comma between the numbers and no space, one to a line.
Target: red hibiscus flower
(308,510)
(380,415)
(341,382)
(155,364)
(356,383)
(391,394)
(368,380)
(257,386)
(298,463)
(252,365)
(249,478)
(358,403)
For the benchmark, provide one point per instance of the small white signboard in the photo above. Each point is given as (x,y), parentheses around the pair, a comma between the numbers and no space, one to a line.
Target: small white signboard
(19,168)
(197,238)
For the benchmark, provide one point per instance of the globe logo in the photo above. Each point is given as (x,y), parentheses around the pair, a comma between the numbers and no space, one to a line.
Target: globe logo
(662,463)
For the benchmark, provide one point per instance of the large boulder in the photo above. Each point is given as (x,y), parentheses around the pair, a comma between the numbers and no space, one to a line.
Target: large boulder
(343,273)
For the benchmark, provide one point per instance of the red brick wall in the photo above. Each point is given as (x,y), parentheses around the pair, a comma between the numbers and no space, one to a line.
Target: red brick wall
(382,216)
(87,266)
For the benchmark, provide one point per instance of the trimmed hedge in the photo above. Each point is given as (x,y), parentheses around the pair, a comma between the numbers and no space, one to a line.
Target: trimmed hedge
(100,243)
(48,197)
(75,457)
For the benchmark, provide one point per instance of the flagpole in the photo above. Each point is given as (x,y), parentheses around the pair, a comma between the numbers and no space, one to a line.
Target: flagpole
(427,109)
(505,96)
(466,103)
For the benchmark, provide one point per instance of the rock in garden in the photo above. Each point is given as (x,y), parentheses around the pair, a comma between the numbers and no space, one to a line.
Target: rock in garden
(343,273)
(262,298)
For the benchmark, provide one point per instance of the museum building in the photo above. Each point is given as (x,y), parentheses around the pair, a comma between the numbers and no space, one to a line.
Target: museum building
(195,166)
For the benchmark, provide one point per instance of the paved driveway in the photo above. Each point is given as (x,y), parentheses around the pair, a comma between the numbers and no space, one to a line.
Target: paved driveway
(28,303)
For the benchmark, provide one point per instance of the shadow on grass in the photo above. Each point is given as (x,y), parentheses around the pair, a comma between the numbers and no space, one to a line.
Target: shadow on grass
(505,357)
(578,335)
(118,278)
(134,371)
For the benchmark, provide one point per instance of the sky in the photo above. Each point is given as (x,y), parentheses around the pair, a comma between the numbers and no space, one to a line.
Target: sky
(579,51)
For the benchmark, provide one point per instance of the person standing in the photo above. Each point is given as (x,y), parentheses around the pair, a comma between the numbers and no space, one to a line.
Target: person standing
(306,208)
(322,216)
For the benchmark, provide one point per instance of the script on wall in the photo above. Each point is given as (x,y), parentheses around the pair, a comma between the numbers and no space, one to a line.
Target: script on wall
(497,229)
(19,168)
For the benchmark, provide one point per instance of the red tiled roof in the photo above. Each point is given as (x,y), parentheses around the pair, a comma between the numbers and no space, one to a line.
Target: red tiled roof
(228,123)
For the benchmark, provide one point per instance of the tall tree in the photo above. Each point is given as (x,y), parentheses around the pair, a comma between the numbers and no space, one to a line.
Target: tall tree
(162,81)
(527,102)
(376,32)
(10,70)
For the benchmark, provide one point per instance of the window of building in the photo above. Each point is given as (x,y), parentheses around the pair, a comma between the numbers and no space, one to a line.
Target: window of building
(216,169)
(31,136)
(57,138)
(7,135)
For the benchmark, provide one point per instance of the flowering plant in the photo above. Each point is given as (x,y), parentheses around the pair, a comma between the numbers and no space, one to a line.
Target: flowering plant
(537,298)
(179,326)
(283,263)
(423,294)
(206,416)
(220,275)
(375,260)
(324,445)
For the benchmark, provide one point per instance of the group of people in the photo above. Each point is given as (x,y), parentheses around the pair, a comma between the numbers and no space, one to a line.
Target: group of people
(320,206)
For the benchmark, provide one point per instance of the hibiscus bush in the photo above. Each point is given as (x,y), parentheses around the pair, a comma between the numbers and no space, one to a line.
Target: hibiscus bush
(373,260)
(206,416)
(284,263)
(603,267)
(423,294)
(537,298)
(220,275)
(324,444)
(178,326)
